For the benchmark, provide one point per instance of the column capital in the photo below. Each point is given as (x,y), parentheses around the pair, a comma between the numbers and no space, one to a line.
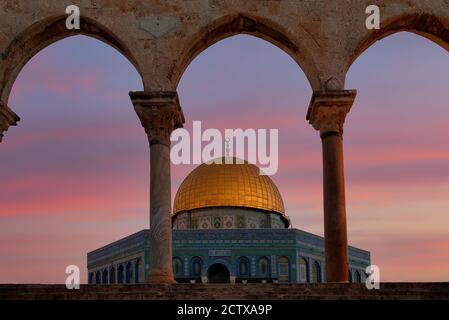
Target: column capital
(159,112)
(327,110)
(7,118)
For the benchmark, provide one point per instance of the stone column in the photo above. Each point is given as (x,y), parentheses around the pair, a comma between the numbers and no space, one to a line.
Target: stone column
(327,113)
(7,118)
(160,114)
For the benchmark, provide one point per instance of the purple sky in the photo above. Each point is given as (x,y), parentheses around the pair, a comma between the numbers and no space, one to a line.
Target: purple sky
(76,167)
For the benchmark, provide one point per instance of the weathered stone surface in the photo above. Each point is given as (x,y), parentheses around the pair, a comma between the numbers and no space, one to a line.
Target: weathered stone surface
(7,119)
(161,38)
(327,111)
(316,291)
(159,113)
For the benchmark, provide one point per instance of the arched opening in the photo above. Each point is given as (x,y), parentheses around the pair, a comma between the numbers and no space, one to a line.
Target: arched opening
(91,278)
(357,276)
(284,269)
(129,272)
(350,278)
(120,274)
(218,273)
(98,277)
(137,271)
(177,267)
(232,25)
(243,267)
(397,173)
(196,265)
(104,277)
(79,127)
(303,270)
(246,82)
(264,268)
(428,26)
(112,275)
(316,272)
(46,32)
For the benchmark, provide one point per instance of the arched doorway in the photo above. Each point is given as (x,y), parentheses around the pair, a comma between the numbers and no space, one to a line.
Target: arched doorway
(218,273)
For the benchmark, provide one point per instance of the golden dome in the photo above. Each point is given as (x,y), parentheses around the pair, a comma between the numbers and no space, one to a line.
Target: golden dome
(224,185)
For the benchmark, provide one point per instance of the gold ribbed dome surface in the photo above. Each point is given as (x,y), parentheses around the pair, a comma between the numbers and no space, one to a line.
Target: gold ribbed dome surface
(237,185)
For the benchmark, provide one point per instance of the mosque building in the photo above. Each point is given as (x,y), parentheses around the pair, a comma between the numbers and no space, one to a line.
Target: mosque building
(229,225)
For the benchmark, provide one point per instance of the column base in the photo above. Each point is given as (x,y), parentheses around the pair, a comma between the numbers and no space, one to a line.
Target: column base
(160,278)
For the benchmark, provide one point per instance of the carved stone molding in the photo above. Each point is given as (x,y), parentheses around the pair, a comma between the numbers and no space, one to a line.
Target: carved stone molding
(7,118)
(159,112)
(327,110)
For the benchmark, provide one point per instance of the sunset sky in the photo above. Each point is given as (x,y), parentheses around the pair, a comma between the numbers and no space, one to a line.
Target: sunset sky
(75,170)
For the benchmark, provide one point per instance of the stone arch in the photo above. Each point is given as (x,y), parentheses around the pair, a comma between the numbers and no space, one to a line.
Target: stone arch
(426,25)
(44,33)
(259,27)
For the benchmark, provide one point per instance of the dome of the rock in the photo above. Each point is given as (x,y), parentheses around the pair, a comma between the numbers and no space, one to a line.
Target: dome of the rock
(230,195)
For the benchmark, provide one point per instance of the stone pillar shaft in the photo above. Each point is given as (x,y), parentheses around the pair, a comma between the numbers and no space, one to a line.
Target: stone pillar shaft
(327,113)
(160,215)
(159,113)
(336,242)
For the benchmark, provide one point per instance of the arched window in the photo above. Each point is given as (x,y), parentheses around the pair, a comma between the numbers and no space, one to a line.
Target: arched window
(104,277)
(284,269)
(357,276)
(303,270)
(243,266)
(196,267)
(316,272)
(350,275)
(98,277)
(91,278)
(112,275)
(177,267)
(129,272)
(264,267)
(120,274)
